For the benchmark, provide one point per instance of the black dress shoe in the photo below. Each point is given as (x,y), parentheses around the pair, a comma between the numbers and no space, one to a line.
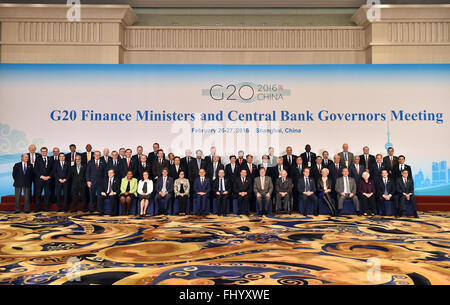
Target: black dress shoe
(415,215)
(338,213)
(305,214)
(16,212)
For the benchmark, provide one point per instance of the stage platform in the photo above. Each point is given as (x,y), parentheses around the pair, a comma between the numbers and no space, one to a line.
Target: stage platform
(284,250)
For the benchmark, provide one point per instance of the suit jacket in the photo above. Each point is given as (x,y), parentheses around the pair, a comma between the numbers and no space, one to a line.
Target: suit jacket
(229,173)
(85,155)
(228,185)
(402,188)
(375,172)
(314,171)
(340,185)
(387,163)
(396,173)
(116,168)
(115,185)
(254,172)
(241,163)
(169,184)
(69,157)
(390,187)
(124,168)
(37,156)
(133,185)
(141,169)
(210,170)
(186,165)
(21,179)
(239,186)
(350,158)
(335,174)
(285,186)
(61,172)
(321,187)
(186,187)
(199,187)
(268,186)
(312,158)
(371,161)
(273,162)
(157,167)
(94,175)
(41,169)
(286,163)
(137,158)
(301,185)
(208,159)
(296,173)
(152,157)
(174,173)
(354,174)
(194,169)
(276,172)
(327,163)
(103,159)
(79,180)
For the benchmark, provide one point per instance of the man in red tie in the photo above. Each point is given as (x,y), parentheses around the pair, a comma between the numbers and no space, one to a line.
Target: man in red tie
(390,161)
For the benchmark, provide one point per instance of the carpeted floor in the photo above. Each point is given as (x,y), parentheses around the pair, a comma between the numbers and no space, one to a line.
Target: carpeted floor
(287,250)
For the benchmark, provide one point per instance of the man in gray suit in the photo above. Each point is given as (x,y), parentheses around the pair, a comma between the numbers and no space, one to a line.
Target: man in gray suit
(263,187)
(347,157)
(346,189)
(284,192)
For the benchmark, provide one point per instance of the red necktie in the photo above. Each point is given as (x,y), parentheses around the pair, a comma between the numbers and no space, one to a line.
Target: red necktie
(96,164)
(357,169)
(128,162)
(250,167)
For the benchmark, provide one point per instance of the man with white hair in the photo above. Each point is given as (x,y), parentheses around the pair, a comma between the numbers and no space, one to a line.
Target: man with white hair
(33,157)
(22,181)
(346,156)
(210,157)
(105,158)
(185,162)
(196,165)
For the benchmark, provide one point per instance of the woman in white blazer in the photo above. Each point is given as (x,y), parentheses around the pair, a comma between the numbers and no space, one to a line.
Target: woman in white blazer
(145,189)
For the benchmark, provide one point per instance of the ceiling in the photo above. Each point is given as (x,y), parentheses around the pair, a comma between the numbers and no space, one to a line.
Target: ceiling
(233,3)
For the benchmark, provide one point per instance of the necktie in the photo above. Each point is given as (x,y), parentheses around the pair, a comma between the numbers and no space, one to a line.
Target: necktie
(379,166)
(32,158)
(62,165)
(337,167)
(404,181)
(24,168)
(346,157)
(96,164)
(347,184)
(279,169)
(115,163)
(110,185)
(262,183)
(357,169)
(45,161)
(299,169)
(220,186)
(201,180)
(306,185)
(160,161)
(367,161)
(243,180)
(309,158)
(72,157)
(385,186)
(392,162)
(144,188)
(289,158)
(282,180)
(401,168)
(128,162)
(78,169)
(319,167)
(250,167)
(89,156)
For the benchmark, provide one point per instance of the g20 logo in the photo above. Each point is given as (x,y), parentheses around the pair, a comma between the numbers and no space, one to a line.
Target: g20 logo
(242,92)
(246,92)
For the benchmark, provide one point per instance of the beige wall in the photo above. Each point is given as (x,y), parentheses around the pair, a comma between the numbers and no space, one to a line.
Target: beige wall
(105,34)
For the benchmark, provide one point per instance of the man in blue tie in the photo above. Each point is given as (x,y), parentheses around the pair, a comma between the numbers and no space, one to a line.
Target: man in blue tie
(22,182)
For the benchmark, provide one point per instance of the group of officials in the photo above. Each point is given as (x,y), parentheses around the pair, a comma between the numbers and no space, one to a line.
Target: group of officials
(368,181)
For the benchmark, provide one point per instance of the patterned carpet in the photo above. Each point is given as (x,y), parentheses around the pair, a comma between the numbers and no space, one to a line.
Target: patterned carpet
(285,250)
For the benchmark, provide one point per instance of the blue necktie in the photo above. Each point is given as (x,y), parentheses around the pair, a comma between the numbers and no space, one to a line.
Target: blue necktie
(24,169)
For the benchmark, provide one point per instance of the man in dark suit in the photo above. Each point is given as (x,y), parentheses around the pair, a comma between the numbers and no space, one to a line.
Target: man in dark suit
(22,175)
(88,155)
(114,164)
(78,178)
(326,162)
(212,168)
(43,173)
(95,173)
(138,155)
(70,157)
(33,158)
(61,174)
(240,159)
(405,191)
(283,191)
(366,158)
(242,189)
(289,158)
(296,174)
(186,163)
(316,169)
(356,170)
(222,191)
(232,169)
(54,159)
(397,171)
(176,168)
(154,154)
(277,169)
(378,167)
(142,166)
(209,159)
(202,188)
(385,191)
(308,156)
(159,164)
(110,189)
(164,190)
(336,168)
(126,164)
(307,188)
(196,165)
(252,170)
(390,161)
